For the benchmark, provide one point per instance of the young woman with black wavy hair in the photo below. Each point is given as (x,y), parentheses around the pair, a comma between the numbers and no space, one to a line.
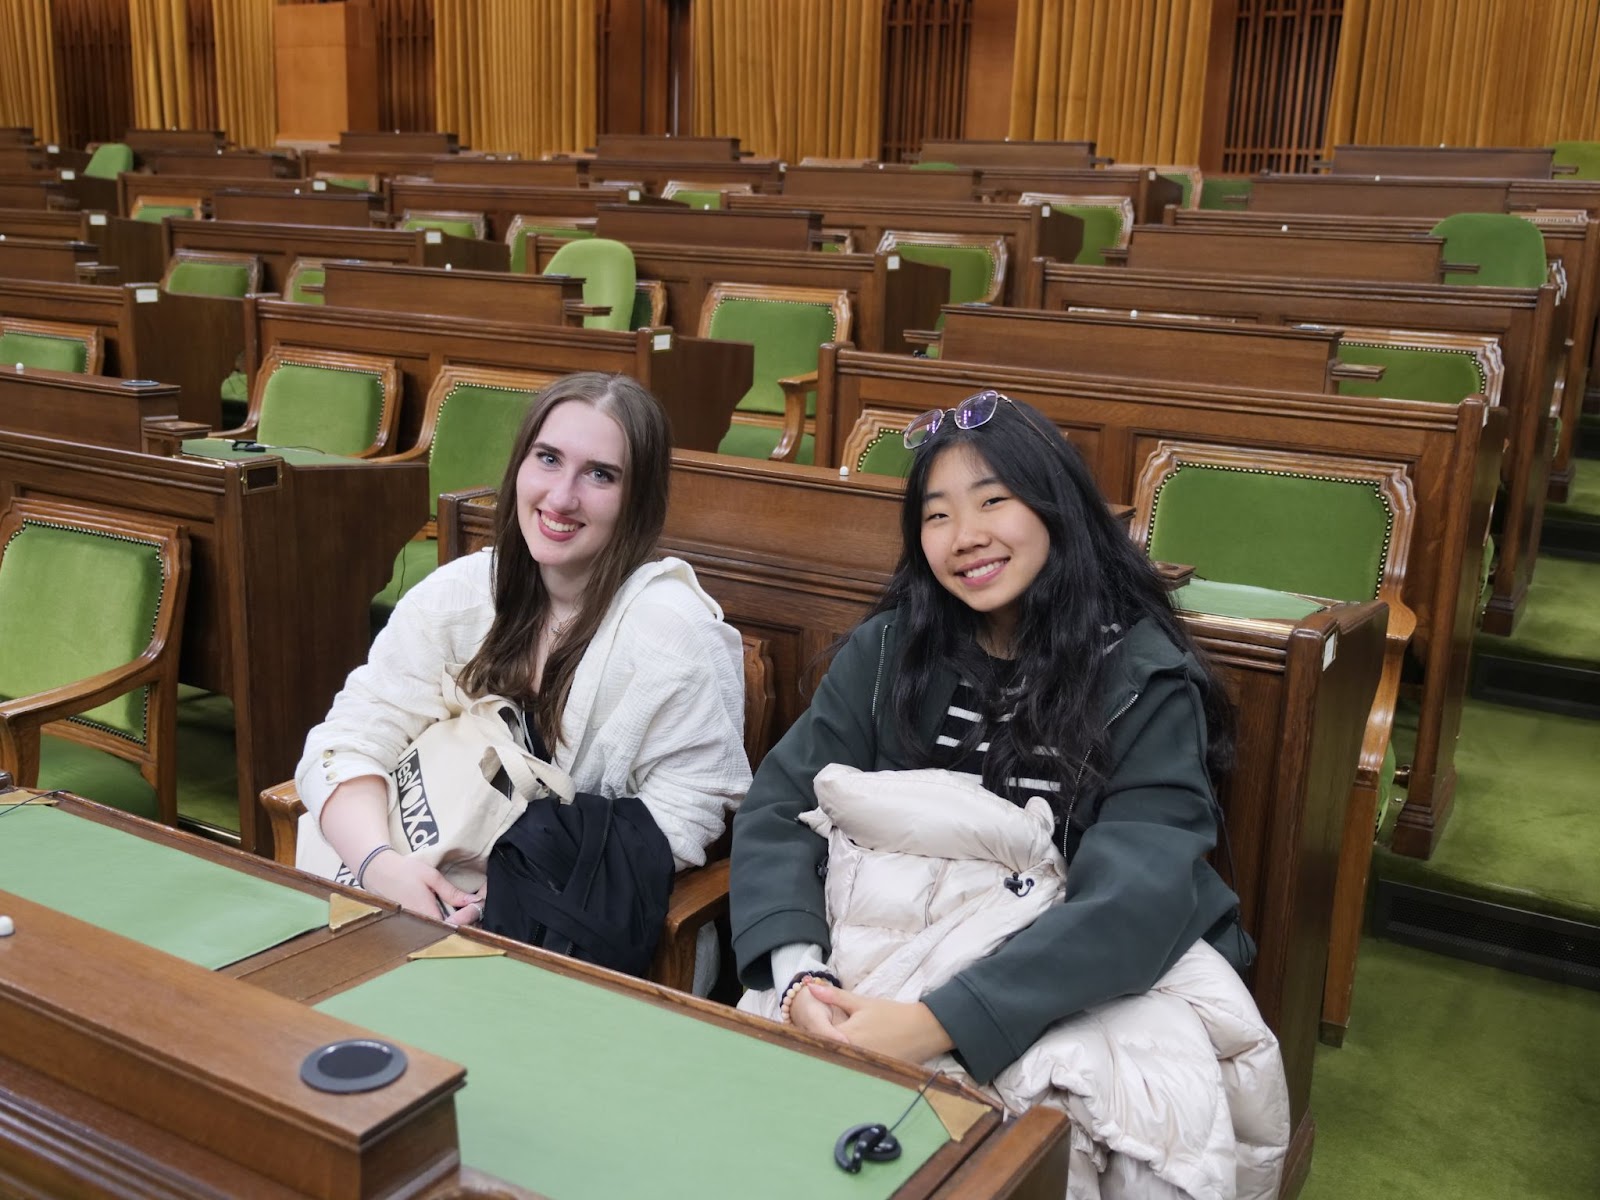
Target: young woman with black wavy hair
(1023,638)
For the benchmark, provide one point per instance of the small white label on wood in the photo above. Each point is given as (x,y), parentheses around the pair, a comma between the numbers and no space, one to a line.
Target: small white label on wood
(633,195)
(894,263)
(319,185)
(661,341)
(146,295)
(69,175)
(52,148)
(433,236)
(1330,650)
(1044,210)
(97,218)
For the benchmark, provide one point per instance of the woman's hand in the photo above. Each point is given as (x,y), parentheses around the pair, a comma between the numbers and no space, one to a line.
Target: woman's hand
(808,1013)
(421,889)
(906,1031)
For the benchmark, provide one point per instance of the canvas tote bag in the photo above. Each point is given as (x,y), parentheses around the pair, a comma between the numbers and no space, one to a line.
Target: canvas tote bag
(444,806)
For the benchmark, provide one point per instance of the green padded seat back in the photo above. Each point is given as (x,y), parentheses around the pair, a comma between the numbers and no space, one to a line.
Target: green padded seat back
(1242,601)
(1583,155)
(885,454)
(639,318)
(74,604)
(935,165)
(697,198)
(1102,230)
(209,279)
(472,440)
(43,350)
(607,270)
(356,183)
(327,408)
(109,160)
(1414,373)
(461,229)
(415,562)
(786,334)
(1320,536)
(519,242)
(308,277)
(759,441)
(971,267)
(1508,250)
(1185,184)
(154,214)
(1216,192)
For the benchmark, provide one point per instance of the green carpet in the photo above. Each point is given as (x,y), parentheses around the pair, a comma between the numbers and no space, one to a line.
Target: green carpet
(1561,622)
(1525,829)
(1583,497)
(1458,1081)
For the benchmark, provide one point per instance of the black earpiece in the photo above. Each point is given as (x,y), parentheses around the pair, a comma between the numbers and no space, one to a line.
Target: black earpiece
(864,1143)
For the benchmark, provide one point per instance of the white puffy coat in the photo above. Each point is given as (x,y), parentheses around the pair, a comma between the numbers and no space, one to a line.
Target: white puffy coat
(1179,1092)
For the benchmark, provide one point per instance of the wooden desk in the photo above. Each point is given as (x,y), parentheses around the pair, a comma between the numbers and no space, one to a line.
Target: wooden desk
(1456,162)
(238,1040)
(500,203)
(472,295)
(741,229)
(331,206)
(45,259)
(125,414)
(284,561)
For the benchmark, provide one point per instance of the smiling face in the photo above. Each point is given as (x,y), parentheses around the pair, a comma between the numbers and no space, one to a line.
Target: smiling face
(983,544)
(570,491)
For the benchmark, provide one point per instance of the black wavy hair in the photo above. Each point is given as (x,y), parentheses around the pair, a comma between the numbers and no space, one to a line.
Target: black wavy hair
(1094,578)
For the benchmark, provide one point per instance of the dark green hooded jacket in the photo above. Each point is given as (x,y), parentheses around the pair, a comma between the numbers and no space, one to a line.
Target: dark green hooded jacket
(1139,891)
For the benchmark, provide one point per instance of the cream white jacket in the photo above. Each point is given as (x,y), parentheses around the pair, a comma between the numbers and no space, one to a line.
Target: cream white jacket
(656,708)
(1176,1093)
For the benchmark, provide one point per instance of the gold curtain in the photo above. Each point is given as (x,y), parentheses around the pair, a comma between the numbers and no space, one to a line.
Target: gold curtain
(28,68)
(1466,72)
(1129,75)
(791,77)
(246,91)
(512,76)
(162,95)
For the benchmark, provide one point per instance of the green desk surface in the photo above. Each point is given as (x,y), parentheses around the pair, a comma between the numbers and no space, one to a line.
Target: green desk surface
(295,456)
(578,1092)
(201,911)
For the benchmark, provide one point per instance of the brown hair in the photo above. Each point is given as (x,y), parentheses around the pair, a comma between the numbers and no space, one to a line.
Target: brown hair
(503,665)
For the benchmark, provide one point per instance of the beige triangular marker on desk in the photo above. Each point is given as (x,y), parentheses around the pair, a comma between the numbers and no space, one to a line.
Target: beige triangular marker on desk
(17,797)
(957,1112)
(344,909)
(456,946)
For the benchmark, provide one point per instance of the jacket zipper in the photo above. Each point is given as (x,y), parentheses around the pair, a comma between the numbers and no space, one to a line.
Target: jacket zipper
(1077,782)
(877,679)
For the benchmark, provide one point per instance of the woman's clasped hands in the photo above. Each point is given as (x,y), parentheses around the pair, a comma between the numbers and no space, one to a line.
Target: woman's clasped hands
(422,889)
(906,1031)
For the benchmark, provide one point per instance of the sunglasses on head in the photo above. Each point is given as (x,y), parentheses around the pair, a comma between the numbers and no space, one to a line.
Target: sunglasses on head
(975,410)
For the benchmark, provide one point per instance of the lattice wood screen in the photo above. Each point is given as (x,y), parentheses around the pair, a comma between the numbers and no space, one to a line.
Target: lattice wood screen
(925,45)
(93,48)
(1283,57)
(405,64)
(203,64)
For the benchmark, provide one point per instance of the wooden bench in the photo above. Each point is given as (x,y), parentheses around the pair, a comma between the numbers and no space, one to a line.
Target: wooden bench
(46,259)
(889,183)
(384,141)
(888,294)
(1448,450)
(1521,319)
(147,142)
(284,562)
(473,295)
(124,414)
(45,223)
(1031,232)
(697,380)
(131,187)
(1300,723)
(28,189)
(500,203)
(384,166)
(997,152)
(764,175)
(230,164)
(331,206)
(741,229)
(506,172)
(1369,196)
(1145,188)
(1456,162)
(1395,257)
(656,147)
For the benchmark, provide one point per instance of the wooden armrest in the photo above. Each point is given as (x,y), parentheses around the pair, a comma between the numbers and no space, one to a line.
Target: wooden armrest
(21,720)
(1174,575)
(1564,169)
(921,337)
(698,895)
(794,415)
(1344,370)
(165,435)
(579,309)
(1115,255)
(1380,723)
(284,809)
(97,273)
(1448,268)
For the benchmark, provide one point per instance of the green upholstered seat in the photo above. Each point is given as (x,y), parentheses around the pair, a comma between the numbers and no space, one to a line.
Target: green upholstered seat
(1446,376)
(156,213)
(302,278)
(190,278)
(73,604)
(935,165)
(109,160)
(1104,228)
(355,183)
(759,441)
(43,350)
(1319,536)
(1185,183)
(332,409)
(520,233)
(972,268)
(414,563)
(884,454)
(786,335)
(455,226)
(607,270)
(697,197)
(1583,155)
(1507,249)
(1217,192)
(1243,602)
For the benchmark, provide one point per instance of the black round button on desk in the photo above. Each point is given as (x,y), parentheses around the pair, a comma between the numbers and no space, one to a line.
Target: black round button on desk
(353,1065)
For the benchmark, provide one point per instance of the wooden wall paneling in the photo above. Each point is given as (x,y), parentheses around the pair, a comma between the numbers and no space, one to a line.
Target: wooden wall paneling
(203,65)
(1281,74)
(633,76)
(926,51)
(405,64)
(991,49)
(94,65)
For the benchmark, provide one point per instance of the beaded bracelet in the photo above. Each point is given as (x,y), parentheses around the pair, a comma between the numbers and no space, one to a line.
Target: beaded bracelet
(361,871)
(794,986)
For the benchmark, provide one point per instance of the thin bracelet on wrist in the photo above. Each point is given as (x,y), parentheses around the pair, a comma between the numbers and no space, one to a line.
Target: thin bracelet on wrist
(361,871)
(787,1001)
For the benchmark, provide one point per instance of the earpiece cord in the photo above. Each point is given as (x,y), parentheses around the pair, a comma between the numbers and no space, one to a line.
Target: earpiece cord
(923,1091)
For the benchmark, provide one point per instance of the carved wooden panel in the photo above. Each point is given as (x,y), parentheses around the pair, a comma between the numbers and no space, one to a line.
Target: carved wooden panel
(405,64)
(926,45)
(1283,56)
(93,51)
